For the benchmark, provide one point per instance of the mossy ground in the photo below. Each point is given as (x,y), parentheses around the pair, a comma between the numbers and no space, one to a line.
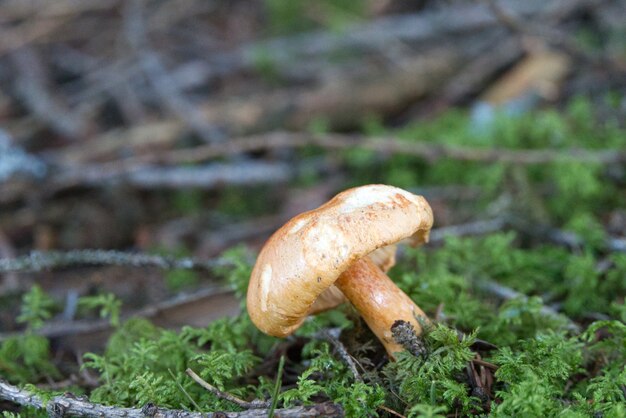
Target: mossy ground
(485,356)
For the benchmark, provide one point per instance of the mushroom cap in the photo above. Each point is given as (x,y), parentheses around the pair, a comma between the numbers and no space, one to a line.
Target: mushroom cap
(306,255)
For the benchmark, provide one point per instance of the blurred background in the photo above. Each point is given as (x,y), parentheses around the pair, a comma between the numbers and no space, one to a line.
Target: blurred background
(184,128)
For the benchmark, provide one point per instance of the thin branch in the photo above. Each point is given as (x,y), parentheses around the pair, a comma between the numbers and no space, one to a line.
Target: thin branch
(391,411)
(207,304)
(506,293)
(343,353)
(149,177)
(10,281)
(468,229)
(568,239)
(485,364)
(551,36)
(33,89)
(69,405)
(573,240)
(256,404)
(430,150)
(414,29)
(162,83)
(39,261)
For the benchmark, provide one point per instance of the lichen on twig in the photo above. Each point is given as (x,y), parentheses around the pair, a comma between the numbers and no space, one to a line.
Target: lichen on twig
(39,261)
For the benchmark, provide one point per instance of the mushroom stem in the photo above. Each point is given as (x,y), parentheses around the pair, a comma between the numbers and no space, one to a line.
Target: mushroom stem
(379,301)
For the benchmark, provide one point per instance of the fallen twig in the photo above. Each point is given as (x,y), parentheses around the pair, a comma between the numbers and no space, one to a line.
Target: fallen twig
(195,309)
(557,236)
(10,281)
(70,405)
(343,353)
(39,261)
(506,293)
(38,97)
(161,81)
(430,150)
(422,27)
(256,404)
(468,229)
(573,240)
(148,177)
(391,411)
(552,36)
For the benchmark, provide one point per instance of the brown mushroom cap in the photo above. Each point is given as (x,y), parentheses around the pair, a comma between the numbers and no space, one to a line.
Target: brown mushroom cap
(307,254)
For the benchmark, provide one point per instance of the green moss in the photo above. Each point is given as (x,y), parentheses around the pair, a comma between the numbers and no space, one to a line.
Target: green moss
(435,379)
(36,308)
(543,367)
(289,16)
(563,189)
(26,358)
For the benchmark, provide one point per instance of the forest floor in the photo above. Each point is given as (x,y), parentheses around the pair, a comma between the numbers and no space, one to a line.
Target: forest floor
(149,148)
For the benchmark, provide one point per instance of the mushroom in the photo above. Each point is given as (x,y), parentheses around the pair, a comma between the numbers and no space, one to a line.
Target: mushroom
(323,253)
(384,258)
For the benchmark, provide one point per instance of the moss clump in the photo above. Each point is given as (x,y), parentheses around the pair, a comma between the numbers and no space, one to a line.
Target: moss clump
(484,356)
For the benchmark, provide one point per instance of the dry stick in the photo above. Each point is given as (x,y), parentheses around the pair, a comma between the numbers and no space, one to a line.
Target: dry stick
(29,32)
(162,83)
(148,177)
(479,71)
(468,229)
(391,411)
(343,353)
(38,261)
(506,293)
(485,364)
(162,314)
(423,27)
(227,396)
(10,281)
(69,405)
(573,240)
(553,36)
(431,151)
(39,98)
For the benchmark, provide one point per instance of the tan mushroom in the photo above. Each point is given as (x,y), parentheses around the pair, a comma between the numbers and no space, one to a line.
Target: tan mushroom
(384,258)
(329,246)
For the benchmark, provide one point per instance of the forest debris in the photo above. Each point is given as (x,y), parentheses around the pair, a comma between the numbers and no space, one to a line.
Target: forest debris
(256,404)
(153,177)
(194,309)
(343,353)
(9,281)
(404,334)
(207,177)
(457,20)
(548,34)
(33,88)
(481,378)
(468,229)
(386,145)
(480,70)
(537,75)
(161,81)
(342,102)
(14,160)
(38,261)
(69,404)
(506,293)
(154,136)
